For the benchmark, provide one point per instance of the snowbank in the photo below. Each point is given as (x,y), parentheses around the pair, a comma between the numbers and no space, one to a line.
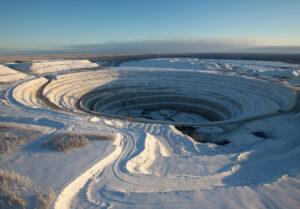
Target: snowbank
(7,74)
(40,67)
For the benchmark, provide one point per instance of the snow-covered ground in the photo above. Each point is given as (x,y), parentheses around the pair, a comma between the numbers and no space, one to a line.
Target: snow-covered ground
(7,74)
(254,105)
(262,69)
(43,66)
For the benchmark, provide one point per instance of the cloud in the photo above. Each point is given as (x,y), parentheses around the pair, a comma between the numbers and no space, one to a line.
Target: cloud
(174,45)
(164,46)
(276,49)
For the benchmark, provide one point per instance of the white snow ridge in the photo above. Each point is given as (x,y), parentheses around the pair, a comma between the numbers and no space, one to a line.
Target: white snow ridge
(44,66)
(7,74)
(158,133)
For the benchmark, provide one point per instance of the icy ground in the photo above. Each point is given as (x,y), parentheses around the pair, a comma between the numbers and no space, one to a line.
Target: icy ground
(150,163)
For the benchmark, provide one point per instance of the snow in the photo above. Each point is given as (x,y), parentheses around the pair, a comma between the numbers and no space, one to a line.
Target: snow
(65,197)
(150,163)
(262,69)
(141,163)
(45,66)
(25,92)
(7,74)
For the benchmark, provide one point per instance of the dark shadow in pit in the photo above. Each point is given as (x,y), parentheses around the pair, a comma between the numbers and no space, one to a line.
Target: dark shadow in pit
(191,131)
(260,134)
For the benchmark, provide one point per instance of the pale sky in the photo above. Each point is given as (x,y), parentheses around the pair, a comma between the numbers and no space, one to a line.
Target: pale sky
(148,25)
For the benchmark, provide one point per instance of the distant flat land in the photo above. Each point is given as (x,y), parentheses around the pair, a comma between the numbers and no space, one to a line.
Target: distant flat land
(125,57)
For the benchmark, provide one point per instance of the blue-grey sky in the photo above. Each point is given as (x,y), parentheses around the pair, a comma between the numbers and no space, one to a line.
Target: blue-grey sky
(148,25)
